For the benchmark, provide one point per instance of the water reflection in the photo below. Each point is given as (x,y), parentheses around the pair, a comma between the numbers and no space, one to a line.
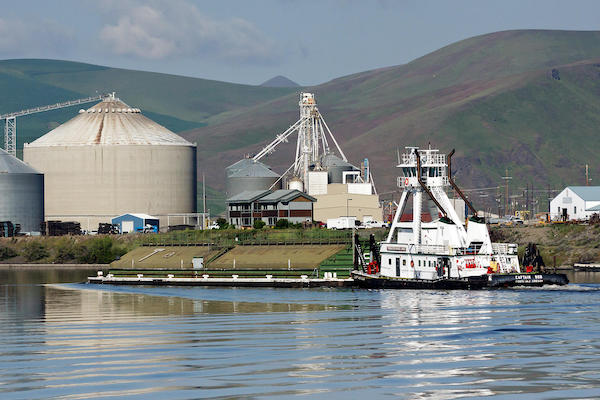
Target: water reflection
(83,341)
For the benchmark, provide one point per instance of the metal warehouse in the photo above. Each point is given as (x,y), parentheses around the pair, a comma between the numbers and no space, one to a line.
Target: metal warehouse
(129,223)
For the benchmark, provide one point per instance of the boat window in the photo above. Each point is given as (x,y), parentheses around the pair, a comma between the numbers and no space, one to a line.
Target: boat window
(404,261)
(390,261)
(419,263)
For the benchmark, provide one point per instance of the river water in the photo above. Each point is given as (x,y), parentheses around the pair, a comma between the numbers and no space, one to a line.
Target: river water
(76,341)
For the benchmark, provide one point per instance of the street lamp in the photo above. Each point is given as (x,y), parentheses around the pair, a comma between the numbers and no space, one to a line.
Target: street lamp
(347,212)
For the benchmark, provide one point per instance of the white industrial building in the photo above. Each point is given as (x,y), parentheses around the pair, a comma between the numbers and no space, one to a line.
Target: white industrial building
(110,160)
(575,203)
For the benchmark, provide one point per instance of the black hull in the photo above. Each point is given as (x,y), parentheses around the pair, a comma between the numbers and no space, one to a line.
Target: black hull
(492,281)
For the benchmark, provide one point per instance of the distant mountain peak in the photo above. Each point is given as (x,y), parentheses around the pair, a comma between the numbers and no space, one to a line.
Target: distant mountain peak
(280,81)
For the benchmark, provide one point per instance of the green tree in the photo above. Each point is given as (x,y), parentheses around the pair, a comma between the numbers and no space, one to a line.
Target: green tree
(65,250)
(259,224)
(222,222)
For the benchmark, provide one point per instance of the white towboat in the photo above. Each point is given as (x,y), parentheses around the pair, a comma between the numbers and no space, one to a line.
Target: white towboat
(443,253)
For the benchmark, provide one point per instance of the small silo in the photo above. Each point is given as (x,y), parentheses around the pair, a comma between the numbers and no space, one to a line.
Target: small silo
(110,160)
(248,174)
(21,193)
(335,167)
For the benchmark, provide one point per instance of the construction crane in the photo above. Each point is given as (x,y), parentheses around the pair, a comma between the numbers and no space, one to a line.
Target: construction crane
(10,127)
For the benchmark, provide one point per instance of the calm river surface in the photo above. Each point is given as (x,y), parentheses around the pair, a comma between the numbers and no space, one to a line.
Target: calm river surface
(77,341)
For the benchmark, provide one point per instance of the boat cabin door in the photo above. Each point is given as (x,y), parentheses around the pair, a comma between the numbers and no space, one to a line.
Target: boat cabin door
(443,266)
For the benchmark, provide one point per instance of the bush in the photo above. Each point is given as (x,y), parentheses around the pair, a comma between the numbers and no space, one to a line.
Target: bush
(65,251)
(34,251)
(99,251)
(222,222)
(6,253)
(259,224)
(282,224)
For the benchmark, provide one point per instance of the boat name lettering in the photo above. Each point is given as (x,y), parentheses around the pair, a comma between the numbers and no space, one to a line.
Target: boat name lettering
(396,248)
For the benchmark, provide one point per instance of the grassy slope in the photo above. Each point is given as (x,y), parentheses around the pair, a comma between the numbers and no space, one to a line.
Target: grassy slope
(492,97)
(176,101)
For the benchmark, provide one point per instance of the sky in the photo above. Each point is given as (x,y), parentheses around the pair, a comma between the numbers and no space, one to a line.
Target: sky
(249,42)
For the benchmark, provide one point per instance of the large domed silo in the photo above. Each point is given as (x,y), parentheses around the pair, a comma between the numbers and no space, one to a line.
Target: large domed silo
(110,160)
(21,193)
(248,174)
(335,167)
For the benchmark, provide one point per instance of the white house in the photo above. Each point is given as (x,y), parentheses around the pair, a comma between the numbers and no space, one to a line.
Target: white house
(576,202)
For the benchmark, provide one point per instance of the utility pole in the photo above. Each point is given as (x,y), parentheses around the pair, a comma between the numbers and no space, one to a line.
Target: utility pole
(203,202)
(587,176)
(506,179)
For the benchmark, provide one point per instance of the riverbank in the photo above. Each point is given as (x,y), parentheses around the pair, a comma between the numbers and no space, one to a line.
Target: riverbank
(560,245)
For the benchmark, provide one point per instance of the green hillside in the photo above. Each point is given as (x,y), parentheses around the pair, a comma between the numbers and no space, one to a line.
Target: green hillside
(492,97)
(180,103)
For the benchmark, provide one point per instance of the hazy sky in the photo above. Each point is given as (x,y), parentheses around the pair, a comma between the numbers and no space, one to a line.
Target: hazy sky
(248,41)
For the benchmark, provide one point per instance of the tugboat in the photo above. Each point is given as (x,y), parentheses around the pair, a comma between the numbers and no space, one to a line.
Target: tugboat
(443,253)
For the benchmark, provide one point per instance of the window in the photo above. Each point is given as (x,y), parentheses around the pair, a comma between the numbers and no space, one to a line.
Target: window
(419,263)
(397,267)
(574,210)
(559,210)
(390,261)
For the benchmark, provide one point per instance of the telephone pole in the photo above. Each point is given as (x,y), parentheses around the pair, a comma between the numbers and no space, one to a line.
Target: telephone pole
(506,179)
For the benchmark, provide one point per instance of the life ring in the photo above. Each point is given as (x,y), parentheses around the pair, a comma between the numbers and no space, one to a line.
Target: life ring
(405,181)
(412,263)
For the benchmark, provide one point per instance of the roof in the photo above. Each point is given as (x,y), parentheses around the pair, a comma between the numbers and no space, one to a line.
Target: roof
(284,195)
(587,193)
(137,215)
(331,160)
(110,122)
(12,165)
(595,208)
(252,169)
(248,196)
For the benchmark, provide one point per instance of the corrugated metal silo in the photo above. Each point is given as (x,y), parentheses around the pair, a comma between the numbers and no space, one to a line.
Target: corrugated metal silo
(248,174)
(335,167)
(21,193)
(111,160)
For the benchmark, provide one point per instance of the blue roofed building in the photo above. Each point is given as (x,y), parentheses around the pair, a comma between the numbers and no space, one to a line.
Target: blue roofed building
(134,222)
(575,203)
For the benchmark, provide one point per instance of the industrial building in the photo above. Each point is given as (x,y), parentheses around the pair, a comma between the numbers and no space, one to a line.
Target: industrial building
(319,169)
(131,223)
(575,203)
(21,193)
(110,160)
(269,206)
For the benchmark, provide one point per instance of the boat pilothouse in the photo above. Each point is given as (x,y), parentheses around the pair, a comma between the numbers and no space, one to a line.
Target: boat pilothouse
(443,248)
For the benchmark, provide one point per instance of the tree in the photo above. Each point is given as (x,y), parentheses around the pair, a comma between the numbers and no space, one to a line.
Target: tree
(259,224)
(6,253)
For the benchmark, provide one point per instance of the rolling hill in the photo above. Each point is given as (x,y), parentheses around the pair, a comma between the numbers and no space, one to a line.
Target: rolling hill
(524,100)
(178,102)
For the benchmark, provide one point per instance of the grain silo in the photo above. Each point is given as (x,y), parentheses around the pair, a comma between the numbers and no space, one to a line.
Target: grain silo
(335,167)
(248,174)
(21,193)
(111,160)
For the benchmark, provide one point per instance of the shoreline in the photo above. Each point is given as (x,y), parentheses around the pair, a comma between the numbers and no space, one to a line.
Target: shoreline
(53,266)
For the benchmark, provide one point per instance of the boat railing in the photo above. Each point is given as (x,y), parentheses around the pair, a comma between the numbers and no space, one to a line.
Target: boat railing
(504,248)
(434,249)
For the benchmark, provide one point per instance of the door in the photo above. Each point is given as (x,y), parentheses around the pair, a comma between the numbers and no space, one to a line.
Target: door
(127,226)
(397,266)
(564,214)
